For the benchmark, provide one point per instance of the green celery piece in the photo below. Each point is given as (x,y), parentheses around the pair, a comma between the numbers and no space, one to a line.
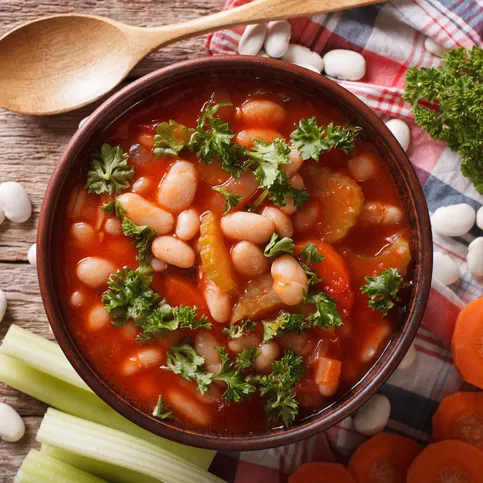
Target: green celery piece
(111,446)
(40,468)
(87,405)
(112,473)
(41,354)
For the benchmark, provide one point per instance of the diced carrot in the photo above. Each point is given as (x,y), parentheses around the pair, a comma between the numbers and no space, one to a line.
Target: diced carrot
(327,371)
(180,291)
(460,416)
(384,458)
(321,473)
(467,343)
(447,462)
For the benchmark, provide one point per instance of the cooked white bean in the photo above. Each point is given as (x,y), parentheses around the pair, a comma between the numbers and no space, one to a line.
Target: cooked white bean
(305,219)
(252,39)
(278,38)
(362,167)
(297,182)
(205,345)
(178,187)
(294,165)
(113,227)
(475,257)
(299,343)
(376,212)
(144,359)
(219,303)
(173,251)
(83,121)
(15,202)
(345,64)
(191,409)
(372,417)
(2,215)
(247,136)
(83,234)
(212,395)
(77,299)
(94,271)
(445,269)
(142,212)
(247,226)
(249,260)
(289,280)
(327,389)
(479,218)
(408,359)
(188,224)
(142,185)
(196,245)
(269,352)
(98,318)
(12,427)
(298,54)
(3,304)
(32,255)
(129,331)
(431,46)
(401,132)
(283,224)
(158,265)
(453,220)
(244,342)
(263,113)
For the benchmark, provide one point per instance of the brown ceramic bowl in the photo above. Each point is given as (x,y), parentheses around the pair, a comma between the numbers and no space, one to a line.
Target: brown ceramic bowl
(81,145)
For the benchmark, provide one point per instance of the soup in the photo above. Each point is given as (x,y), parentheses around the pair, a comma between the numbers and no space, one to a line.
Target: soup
(236,257)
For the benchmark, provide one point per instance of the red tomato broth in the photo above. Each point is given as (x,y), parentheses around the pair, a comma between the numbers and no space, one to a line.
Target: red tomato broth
(107,348)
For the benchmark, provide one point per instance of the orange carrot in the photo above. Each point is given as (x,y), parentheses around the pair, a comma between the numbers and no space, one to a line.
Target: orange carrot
(179,291)
(383,458)
(460,416)
(321,473)
(466,343)
(328,371)
(445,462)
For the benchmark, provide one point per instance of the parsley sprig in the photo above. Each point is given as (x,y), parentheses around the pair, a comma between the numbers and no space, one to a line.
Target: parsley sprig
(161,411)
(239,329)
(326,314)
(143,238)
(231,199)
(311,254)
(285,322)
(113,208)
(277,246)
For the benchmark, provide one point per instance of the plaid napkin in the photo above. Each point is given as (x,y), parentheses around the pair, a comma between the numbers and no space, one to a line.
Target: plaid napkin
(391,38)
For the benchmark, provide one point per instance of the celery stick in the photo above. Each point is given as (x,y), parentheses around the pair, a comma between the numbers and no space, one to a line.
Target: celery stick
(40,468)
(113,473)
(87,405)
(111,446)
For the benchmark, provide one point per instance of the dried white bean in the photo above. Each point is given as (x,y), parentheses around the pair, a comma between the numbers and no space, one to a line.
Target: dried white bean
(158,265)
(362,167)
(15,202)
(401,132)
(269,352)
(98,318)
(219,303)
(309,67)
(12,427)
(249,260)
(278,38)
(3,304)
(289,280)
(479,218)
(144,359)
(188,224)
(373,416)
(300,55)
(83,121)
(94,271)
(283,224)
(32,255)
(77,299)
(431,46)
(453,220)
(252,39)
(2,215)
(475,257)
(113,227)
(345,64)
(247,226)
(408,359)
(173,251)
(445,269)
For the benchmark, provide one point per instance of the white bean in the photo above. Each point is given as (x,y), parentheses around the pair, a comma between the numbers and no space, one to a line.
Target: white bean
(249,260)
(113,227)
(299,343)
(431,46)
(252,39)
(297,182)
(173,251)
(94,271)
(453,220)
(408,359)
(295,162)
(178,187)
(263,113)
(142,212)
(32,255)
(188,224)
(362,167)
(15,202)
(219,303)
(191,409)
(205,345)
(372,417)
(144,359)
(400,131)
(269,352)
(345,64)
(278,38)
(77,299)
(289,280)
(305,219)
(83,234)
(3,304)
(283,224)
(142,185)
(244,342)
(445,269)
(158,265)
(300,55)
(377,212)
(309,67)
(475,257)
(2,215)
(479,218)
(247,226)
(98,318)
(83,121)
(12,427)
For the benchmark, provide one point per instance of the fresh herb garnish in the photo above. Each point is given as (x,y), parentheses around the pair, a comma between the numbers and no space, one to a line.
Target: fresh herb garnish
(285,322)
(382,290)
(143,237)
(277,247)
(113,208)
(312,277)
(246,358)
(161,411)
(171,137)
(109,172)
(231,199)
(311,254)
(326,314)
(239,329)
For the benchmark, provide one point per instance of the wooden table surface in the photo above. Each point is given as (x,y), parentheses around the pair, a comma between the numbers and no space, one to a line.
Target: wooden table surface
(30,147)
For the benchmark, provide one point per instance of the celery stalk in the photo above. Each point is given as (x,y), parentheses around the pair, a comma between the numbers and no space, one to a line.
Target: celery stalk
(87,405)
(93,440)
(113,473)
(40,468)
(41,354)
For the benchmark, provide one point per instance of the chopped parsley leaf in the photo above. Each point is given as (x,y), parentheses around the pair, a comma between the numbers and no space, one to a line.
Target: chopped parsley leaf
(231,199)
(161,411)
(143,237)
(277,247)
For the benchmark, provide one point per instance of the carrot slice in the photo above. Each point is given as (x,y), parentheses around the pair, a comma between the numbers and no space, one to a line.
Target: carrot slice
(460,416)
(467,343)
(321,473)
(447,462)
(384,458)
(180,291)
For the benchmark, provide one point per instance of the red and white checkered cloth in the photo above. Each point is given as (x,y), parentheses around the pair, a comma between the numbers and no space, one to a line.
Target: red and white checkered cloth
(391,38)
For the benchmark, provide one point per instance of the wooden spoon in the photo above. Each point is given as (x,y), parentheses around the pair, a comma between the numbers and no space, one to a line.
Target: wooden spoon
(59,63)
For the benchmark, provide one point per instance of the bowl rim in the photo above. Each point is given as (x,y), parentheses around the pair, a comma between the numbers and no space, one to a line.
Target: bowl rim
(370,382)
